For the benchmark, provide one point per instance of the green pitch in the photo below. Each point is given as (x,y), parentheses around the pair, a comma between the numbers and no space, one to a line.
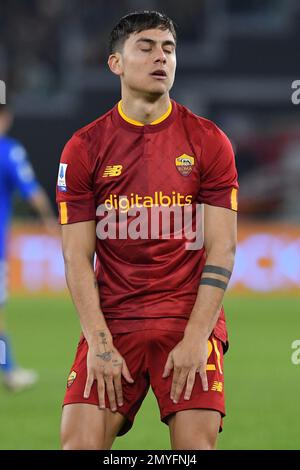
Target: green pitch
(262,385)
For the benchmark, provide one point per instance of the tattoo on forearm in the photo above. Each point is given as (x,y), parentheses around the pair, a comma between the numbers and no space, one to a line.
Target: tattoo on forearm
(103,337)
(207,281)
(217,270)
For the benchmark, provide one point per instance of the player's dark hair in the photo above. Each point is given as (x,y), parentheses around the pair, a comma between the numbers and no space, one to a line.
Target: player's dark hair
(135,23)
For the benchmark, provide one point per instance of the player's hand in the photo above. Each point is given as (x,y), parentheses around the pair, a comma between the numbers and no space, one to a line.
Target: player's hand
(187,358)
(106,366)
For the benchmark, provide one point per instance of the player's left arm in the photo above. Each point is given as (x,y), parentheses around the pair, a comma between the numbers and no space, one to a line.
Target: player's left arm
(220,235)
(218,193)
(190,355)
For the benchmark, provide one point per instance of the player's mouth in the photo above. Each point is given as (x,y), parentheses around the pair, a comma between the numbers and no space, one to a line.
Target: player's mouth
(159,74)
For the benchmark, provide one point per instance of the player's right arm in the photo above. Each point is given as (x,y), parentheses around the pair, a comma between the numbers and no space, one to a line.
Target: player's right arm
(104,363)
(77,216)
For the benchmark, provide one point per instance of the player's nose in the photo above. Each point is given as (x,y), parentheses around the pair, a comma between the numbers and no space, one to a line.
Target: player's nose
(160,56)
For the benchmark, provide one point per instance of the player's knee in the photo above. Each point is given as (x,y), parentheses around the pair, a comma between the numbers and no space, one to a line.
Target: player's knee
(205,445)
(81,443)
(195,446)
(200,443)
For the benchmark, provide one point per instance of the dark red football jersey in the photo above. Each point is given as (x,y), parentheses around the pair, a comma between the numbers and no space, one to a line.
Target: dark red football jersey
(179,160)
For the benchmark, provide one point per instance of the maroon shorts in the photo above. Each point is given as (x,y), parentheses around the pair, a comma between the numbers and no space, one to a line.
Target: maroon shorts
(146,354)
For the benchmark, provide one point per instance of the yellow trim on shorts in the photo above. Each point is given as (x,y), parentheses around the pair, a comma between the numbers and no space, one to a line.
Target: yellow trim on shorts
(218,355)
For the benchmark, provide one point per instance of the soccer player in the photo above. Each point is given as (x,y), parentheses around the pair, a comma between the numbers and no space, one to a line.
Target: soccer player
(16,175)
(151,310)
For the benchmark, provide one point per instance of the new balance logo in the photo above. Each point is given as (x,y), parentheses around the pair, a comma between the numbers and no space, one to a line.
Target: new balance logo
(217,386)
(112,170)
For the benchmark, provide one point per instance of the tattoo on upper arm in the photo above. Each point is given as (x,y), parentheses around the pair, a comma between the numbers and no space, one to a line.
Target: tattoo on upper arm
(208,268)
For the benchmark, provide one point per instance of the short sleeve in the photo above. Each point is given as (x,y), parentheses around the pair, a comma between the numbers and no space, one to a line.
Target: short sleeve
(218,174)
(74,190)
(20,171)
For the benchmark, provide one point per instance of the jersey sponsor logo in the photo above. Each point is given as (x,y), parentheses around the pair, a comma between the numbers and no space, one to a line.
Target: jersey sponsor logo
(71,378)
(124,203)
(184,164)
(217,386)
(112,170)
(61,180)
(154,217)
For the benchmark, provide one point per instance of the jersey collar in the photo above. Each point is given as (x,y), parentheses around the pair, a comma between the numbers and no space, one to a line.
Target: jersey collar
(130,124)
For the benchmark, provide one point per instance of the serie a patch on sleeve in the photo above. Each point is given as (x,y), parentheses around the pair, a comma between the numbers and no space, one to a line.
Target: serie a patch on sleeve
(61,179)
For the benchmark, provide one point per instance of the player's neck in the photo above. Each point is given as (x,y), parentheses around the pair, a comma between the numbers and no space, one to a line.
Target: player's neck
(145,112)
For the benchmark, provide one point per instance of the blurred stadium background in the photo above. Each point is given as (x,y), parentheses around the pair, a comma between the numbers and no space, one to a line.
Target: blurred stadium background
(236,64)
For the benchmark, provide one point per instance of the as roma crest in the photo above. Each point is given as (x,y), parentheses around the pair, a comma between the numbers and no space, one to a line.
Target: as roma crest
(184,164)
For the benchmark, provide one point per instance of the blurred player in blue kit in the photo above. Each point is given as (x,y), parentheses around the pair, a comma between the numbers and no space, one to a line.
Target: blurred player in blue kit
(16,175)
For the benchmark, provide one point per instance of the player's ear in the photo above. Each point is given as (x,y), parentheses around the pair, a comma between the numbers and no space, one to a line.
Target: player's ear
(115,63)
